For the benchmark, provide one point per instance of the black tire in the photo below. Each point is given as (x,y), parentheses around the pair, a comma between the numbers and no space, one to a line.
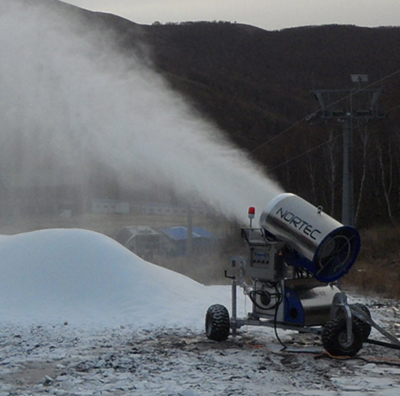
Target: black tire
(364,326)
(334,338)
(217,323)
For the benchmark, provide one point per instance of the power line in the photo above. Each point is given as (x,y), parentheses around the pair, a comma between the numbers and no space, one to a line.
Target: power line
(393,108)
(278,135)
(316,147)
(332,104)
(302,154)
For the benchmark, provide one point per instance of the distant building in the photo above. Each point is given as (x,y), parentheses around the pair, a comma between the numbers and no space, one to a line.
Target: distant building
(110,206)
(164,209)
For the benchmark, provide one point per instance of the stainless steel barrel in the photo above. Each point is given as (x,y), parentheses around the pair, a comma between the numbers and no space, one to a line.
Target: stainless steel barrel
(329,247)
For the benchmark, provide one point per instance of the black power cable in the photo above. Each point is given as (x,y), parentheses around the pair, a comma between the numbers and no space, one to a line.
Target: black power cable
(280,300)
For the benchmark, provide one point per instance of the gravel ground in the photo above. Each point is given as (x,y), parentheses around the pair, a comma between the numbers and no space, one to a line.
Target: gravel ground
(66,360)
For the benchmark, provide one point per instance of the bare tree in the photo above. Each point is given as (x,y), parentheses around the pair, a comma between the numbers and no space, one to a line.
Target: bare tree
(387,178)
(311,171)
(364,135)
(329,151)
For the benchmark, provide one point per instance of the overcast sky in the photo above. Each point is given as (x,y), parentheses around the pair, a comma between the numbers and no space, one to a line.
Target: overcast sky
(267,14)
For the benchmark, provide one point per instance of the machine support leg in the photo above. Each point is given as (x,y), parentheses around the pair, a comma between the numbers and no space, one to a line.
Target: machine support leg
(234,307)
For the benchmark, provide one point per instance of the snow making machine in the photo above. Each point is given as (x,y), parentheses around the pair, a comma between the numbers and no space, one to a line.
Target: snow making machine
(291,272)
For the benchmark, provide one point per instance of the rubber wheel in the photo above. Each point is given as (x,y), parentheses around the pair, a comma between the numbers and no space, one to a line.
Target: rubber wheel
(217,323)
(334,338)
(364,326)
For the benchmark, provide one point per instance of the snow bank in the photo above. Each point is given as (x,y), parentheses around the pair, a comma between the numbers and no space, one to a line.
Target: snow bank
(82,276)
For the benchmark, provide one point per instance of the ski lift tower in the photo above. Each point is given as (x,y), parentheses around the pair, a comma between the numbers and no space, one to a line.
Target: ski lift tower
(345,105)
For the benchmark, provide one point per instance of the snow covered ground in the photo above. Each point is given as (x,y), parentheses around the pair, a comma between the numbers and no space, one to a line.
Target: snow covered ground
(81,315)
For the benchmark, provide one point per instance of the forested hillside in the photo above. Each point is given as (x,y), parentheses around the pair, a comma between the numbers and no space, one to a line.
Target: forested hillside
(257,85)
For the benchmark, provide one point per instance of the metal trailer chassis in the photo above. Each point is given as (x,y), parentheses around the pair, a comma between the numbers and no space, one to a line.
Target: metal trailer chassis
(348,326)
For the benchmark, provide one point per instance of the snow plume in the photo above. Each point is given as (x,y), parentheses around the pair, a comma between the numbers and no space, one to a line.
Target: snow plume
(68,98)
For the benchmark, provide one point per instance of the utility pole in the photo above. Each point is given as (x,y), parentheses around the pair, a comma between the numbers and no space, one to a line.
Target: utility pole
(347,184)
(346,105)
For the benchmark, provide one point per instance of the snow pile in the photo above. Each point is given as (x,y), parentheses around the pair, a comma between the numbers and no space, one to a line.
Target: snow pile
(81,276)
